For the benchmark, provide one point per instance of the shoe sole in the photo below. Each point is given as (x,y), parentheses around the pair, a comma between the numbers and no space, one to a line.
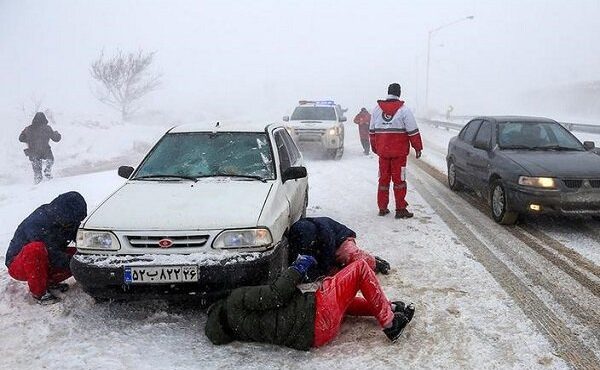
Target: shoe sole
(401,331)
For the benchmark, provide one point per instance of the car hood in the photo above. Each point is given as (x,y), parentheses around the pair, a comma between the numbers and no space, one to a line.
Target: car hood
(558,164)
(162,205)
(313,124)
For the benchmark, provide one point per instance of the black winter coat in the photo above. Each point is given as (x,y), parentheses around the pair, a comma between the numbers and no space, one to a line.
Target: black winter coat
(278,313)
(37,136)
(319,237)
(55,224)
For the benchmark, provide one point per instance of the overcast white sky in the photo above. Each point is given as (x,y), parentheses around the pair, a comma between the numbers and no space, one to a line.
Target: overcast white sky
(260,57)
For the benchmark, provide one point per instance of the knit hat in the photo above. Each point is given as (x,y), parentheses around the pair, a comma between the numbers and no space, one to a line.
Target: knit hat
(302,237)
(217,328)
(394,89)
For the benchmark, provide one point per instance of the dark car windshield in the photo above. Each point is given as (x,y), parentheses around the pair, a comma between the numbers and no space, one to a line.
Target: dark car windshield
(313,114)
(204,154)
(536,136)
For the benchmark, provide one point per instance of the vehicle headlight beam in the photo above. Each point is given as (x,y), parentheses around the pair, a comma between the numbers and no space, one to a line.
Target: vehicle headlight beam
(538,182)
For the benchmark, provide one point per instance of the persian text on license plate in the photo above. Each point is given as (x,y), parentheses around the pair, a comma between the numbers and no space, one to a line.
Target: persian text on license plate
(160,274)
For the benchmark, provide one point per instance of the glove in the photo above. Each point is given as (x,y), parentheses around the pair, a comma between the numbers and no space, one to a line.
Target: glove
(303,263)
(382,266)
(418,154)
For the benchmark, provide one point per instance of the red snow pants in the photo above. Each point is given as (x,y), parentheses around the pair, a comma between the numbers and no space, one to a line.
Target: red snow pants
(349,252)
(337,297)
(392,169)
(33,266)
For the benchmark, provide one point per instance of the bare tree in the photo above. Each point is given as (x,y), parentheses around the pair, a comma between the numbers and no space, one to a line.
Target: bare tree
(124,79)
(29,108)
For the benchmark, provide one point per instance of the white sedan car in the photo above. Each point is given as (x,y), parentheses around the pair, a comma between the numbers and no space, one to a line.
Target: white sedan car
(207,210)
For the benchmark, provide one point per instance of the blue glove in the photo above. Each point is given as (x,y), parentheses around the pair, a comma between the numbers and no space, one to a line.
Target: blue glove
(303,263)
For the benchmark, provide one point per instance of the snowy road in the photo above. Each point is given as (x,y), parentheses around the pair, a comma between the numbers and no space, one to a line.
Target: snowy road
(486,296)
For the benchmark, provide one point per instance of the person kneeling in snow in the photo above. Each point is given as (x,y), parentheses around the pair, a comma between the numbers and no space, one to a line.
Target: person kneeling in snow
(280,313)
(332,244)
(38,252)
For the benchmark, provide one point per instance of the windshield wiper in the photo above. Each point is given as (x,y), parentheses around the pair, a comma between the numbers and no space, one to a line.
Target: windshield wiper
(149,177)
(556,147)
(253,177)
(517,147)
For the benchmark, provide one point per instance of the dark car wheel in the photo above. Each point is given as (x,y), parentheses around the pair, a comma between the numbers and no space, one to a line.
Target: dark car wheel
(499,205)
(453,182)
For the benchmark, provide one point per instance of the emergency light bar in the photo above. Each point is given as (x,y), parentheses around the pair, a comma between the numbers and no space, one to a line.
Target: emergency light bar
(317,102)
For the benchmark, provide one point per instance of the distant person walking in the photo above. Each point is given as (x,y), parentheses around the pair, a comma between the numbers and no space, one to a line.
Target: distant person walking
(37,137)
(393,131)
(363,119)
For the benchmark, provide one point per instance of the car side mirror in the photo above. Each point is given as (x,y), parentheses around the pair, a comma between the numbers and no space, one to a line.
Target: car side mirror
(589,145)
(343,119)
(293,173)
(125,171)
(286,118)
(483,145)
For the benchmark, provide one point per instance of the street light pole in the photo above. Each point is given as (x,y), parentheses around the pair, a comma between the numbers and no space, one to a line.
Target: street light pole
(431,32)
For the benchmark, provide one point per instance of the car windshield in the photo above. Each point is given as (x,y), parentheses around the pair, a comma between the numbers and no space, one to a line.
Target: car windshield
(313,114)
(202,154)
(536,136)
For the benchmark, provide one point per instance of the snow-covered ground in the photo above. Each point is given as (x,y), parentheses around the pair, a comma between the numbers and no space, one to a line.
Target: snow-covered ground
(464,318)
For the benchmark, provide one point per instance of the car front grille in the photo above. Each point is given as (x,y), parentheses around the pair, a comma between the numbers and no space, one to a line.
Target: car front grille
(179,241)
(573,184)
(578,183)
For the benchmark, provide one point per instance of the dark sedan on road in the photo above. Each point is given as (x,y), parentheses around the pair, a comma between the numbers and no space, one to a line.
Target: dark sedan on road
(525,165)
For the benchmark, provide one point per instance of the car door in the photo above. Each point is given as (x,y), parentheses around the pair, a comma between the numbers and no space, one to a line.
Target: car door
(480,158)
(290,187)
(463,148)
(301,185)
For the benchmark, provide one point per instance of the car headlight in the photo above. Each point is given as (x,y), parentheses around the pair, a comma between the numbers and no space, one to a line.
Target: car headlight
(538,182)
(247,238)
(333,131)
(98,240)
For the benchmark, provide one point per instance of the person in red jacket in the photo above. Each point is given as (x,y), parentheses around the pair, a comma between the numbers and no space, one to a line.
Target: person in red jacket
(363,119)
(393,130)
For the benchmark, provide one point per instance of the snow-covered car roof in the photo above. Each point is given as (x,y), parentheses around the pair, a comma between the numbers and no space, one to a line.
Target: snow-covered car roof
(223,126)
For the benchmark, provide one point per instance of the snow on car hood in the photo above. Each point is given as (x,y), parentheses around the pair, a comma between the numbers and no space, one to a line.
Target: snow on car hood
(162,205)
(559,164)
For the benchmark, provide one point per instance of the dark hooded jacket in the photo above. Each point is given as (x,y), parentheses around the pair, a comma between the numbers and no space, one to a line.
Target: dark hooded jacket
(37,136)
(319,237)
(55,224)
(278,313)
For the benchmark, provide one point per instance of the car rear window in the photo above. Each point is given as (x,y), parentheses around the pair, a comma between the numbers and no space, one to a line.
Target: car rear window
(314,114)
(204,154)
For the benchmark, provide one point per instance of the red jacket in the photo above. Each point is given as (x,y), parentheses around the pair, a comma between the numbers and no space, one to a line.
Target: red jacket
(393,129)
(363,119)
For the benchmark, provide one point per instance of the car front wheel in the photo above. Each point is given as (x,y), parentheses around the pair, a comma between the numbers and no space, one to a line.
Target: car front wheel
(453,182)
(499,205)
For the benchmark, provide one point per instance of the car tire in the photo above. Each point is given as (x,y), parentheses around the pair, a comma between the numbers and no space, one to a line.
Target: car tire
(339,153)
(305,205)
(499,205)
(453,182)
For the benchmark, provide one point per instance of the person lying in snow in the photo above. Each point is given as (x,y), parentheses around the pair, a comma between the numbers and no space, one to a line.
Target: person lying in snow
(38,252)
(281,314)
(331,243)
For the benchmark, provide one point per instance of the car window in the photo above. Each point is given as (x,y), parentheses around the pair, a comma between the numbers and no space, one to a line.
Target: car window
(485,133)
(203,154)
(284,157)
(468,133)
(312,113)
(536,135)
(291,147)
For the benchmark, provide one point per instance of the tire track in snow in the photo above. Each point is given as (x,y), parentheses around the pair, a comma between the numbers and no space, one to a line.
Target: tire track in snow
(566,341)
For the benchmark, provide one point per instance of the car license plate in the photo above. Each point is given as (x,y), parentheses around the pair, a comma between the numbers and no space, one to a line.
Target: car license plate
(160,274)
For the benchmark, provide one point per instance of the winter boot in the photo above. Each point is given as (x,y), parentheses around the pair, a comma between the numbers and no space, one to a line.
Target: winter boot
(398,306)
(61,287)
(47,299)
(383,212)
(408,311)
(382,266)
(398,325)
(403,213)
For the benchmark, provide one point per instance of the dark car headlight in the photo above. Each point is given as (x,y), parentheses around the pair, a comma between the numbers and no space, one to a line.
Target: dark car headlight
(538,182)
